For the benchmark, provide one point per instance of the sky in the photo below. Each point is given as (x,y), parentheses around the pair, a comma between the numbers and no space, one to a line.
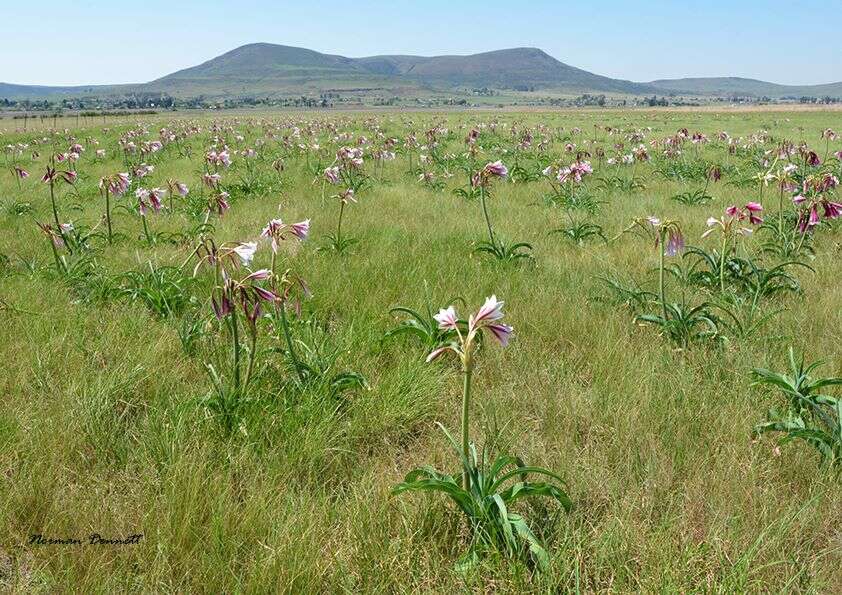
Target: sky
(78,42)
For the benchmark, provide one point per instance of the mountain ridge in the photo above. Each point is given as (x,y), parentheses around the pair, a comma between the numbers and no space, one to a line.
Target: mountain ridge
(278,70)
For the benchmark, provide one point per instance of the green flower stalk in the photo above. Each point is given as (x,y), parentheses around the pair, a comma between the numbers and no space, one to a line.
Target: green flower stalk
(670,242)
(115,185)
(482,180)
(730,225)
(277,231)
(51,177)
(487,318)
(486,491)
(56,242)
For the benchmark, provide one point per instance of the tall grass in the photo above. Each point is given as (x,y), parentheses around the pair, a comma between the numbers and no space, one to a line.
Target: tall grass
(102,427)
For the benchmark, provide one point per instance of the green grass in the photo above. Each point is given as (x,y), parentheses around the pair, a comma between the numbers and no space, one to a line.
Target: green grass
(102,428)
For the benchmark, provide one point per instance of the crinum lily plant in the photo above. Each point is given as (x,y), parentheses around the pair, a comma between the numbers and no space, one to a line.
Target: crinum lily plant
(731,226)
(485,492)
(237,300)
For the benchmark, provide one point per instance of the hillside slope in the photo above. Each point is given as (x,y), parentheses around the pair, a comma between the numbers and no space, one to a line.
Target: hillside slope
(744,86)
(264,69)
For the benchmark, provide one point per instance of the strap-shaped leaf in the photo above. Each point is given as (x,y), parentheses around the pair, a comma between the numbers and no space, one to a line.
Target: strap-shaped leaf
(539,554)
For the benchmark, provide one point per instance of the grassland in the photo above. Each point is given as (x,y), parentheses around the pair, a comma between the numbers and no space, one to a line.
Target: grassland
(103,428)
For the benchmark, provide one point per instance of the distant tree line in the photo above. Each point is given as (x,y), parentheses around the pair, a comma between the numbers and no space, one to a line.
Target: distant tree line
(326,99)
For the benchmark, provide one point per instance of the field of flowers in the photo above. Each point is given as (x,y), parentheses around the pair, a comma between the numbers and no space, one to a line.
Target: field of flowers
(368,352)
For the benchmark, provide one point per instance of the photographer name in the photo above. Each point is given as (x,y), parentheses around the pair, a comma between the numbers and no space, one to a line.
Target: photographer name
(92,539)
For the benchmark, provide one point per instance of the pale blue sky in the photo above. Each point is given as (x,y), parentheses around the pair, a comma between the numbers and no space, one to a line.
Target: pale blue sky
(112,41)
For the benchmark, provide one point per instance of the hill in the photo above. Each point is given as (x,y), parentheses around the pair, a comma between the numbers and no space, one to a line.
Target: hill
(263,69)
(508,69)
(744,86)
(275,68)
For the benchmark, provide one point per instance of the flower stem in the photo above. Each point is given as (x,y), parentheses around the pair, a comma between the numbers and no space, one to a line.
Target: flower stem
(781,212)
(661,289)
(339,225)
(59,230)
(801,242)
(466,401)
(146,229)
(55,210)
(485,213)
(108,213)
(59,265)
(722,262)
(252,353)
(288,337)
(235,342)
(281,308)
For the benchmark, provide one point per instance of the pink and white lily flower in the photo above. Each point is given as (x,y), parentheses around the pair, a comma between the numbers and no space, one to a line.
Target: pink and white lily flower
(246,251)
(447,318)
(487,318)
(277,231)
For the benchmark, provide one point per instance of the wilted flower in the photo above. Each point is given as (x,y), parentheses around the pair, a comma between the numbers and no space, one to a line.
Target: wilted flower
(216,159)
(640,154)
(496,169)
(812,158)
(675,242)
(754,209)
(347,196)
(483,177)
(814,203)
(715,173)
(301,229)
(350,156)
(832,210)
(154,196)
(246,292)
(182,188)
(143,170)
(220,202)
(211,180)
(666,231)
(472,137)
(54,236)
(53,174)
(142,196)
(277,231)
(827,182)
(116,184)
(750,211)
(332,174)
(579,169)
